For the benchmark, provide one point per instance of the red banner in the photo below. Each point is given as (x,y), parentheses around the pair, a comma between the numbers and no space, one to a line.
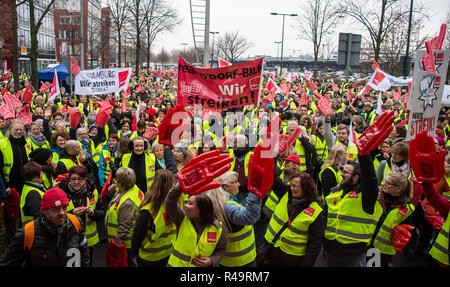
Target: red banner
(220,88)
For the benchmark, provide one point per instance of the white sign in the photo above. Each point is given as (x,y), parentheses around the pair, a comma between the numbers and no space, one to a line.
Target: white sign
(102,81)
(426,96)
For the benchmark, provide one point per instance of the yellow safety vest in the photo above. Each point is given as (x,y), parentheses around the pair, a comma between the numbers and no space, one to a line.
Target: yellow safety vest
(440,248)
(351,149)
(68,163)
(272,199)
(25,190)
(158,245)
(395,217)
(34,146)
(149,164)
(246,161)
(240,248)
(94,153)
(321,148)
(337,175)
(301,154)
(91,225)
(186,247)
(294,238)
(8,156)
(347,222)
(135,195)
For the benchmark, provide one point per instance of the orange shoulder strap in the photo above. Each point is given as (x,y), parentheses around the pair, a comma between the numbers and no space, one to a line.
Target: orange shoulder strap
(75,222)
(28,235)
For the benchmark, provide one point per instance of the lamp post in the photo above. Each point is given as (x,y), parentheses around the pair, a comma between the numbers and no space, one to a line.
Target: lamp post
(212,53)
(282,35)
(278,47)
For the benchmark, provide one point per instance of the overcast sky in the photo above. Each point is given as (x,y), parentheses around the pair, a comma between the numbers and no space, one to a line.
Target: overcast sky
(253,20)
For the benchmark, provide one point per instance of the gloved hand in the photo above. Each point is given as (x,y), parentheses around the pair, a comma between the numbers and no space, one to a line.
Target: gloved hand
(198,174)
(260,173)
(428,166)
(116,254)
(375,134)
(168,126)
(106,186)
(400,236)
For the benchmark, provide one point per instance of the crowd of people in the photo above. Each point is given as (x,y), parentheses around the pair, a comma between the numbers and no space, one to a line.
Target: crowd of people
(72,183)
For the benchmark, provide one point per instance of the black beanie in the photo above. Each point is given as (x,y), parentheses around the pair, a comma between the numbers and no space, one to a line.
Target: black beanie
(40,155)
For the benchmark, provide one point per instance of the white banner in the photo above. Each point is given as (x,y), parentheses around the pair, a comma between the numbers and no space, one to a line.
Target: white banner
(102,81)
(382,81)
(425,98)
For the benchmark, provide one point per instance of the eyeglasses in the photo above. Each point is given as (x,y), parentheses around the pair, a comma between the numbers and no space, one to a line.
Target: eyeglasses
(77,179)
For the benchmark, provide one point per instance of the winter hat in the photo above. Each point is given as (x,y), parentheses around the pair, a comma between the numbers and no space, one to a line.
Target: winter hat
(54,197)
(181,148)
(40,155)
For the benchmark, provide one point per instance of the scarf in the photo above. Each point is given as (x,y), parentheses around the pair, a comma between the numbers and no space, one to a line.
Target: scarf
(126,134)
(77,196)
(402,167)
(161,163)
(38,140)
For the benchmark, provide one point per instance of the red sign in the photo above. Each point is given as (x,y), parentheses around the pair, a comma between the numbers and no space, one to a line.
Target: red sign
(220,88)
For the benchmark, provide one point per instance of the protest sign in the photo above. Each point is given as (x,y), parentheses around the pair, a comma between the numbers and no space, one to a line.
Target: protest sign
(102,81)
(426,96)
(223,88)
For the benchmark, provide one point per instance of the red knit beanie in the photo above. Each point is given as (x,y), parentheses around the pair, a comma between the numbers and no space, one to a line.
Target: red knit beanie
(54,197)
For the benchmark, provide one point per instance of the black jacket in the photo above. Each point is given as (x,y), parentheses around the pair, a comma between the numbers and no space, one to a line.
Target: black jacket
(315,231)
(52,247)
(312,162)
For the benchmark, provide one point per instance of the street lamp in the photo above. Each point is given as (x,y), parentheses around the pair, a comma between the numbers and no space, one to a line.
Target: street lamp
(212,56)
(282,35)
(278,47)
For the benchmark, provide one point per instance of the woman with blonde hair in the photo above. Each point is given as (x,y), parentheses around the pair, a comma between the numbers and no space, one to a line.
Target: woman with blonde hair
(122,209)
(330,174)
(396,199)
(237,219)
(154,231)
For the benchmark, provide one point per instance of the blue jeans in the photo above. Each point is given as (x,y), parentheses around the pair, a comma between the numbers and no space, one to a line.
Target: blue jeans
(334,260)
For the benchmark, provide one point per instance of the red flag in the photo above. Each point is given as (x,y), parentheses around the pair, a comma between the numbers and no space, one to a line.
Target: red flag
(124,101)
(54,91)
(375,65)
(272,87)
(223,63)
(74,68)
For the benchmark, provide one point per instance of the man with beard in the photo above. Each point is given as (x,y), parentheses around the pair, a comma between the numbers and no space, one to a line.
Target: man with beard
(14,151)
(353,213)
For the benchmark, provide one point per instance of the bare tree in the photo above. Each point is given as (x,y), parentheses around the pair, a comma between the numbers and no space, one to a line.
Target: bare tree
(316,19)
(37,9)
(377,17)
(232,45)
(139,11)
(394,44)
(119,16)
(161,18)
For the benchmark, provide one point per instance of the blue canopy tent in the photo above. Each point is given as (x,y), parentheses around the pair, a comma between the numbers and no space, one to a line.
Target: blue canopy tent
(47,75)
